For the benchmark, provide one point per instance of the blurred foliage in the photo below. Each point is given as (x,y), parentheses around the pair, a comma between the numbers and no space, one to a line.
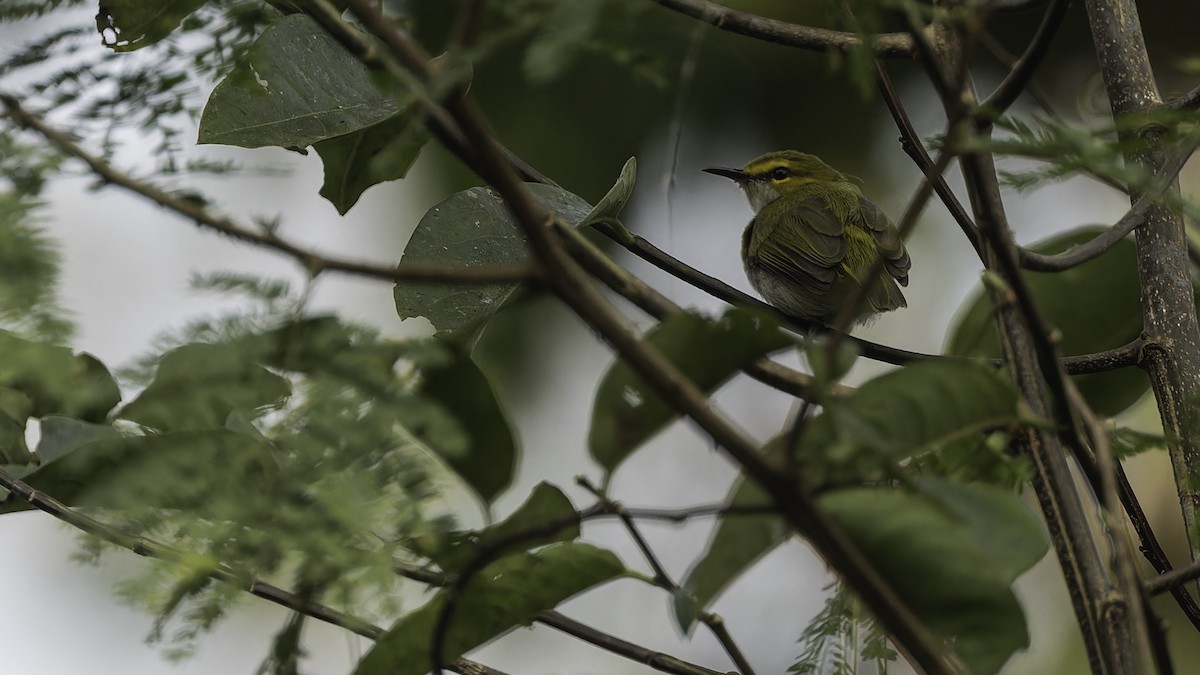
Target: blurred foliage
(29,269)
(841,637)
(1096,306)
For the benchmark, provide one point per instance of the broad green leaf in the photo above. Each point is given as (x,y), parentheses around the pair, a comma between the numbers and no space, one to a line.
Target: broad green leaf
(546,517)
(378,153)
(296,87)
(62,435)
(628,411)
(165,470)
(736,544)
(126,25)
(197,386)
(902,414)
(508,593)
(935,553)
(1010,536)
(1096,306)
(55,380)
(488,462)
(471,228)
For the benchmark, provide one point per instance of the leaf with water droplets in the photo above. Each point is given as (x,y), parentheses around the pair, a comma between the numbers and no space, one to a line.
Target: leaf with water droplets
(470,229)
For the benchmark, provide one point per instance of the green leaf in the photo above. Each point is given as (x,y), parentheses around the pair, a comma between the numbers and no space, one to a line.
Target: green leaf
(1096,306)
(736,544)
(628,411)
(297,86)
(606,211)
(935,550)
(127,25)
(506,594)
(370,156)
(471,228)
(62,435)
(169,470)
(488,462)
(55,380)
(197,386)
(901,414)
(546,517)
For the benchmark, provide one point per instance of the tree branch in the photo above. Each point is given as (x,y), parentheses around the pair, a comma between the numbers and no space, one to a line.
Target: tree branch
(713,622)
(196,211)
(1021,73)
(1172,349)
(1077,255)
(911,143)
(891,45)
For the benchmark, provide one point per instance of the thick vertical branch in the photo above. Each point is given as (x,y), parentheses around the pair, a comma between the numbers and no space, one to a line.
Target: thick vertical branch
(1099,605)
(1171,355)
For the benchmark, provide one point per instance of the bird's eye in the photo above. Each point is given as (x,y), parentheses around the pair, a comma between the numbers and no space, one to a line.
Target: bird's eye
(781,173)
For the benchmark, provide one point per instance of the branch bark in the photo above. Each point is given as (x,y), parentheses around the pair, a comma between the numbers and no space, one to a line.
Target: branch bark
(893,45)
(1172,339)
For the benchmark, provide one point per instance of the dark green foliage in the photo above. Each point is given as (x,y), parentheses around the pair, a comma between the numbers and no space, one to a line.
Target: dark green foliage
(872,436)
(198,386)
(545,518)
(127,25)
(472,227)
(1096,306)
(628,411)
(55,380)
(951,552)
(507,593)
(29,269)
(737,543)
(920,410)
(488,461)
(296,87)
(382,152)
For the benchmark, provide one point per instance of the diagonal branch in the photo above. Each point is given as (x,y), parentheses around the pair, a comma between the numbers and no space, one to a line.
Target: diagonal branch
(196,211)
(894,45)
(712,621)
(1136,215)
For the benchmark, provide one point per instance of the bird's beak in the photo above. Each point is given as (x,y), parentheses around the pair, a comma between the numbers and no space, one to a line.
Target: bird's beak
(728,172)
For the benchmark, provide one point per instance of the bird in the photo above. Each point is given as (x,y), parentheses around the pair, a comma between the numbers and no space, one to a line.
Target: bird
(815,238)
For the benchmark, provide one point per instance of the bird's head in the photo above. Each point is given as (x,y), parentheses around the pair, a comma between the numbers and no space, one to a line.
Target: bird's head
(775,174)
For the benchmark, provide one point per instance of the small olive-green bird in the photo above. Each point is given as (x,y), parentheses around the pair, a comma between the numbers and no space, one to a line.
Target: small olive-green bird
(814,238)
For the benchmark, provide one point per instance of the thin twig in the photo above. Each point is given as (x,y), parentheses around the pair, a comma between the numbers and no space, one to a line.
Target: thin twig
(1081,253)
(656,304)
(1173,579)
(657,660)
(712,621)
(910,141)
(894,45)
(1021,74)
(196,211)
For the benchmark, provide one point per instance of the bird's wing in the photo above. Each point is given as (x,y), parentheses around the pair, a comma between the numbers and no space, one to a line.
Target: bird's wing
(887,240)
(806,246)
